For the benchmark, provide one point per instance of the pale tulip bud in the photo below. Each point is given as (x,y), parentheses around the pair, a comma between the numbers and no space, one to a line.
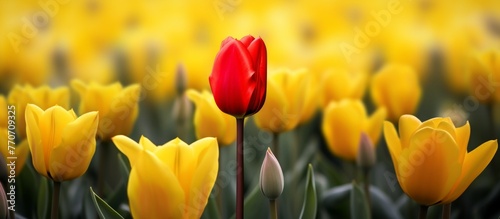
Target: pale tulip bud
(271,176)
(366,154)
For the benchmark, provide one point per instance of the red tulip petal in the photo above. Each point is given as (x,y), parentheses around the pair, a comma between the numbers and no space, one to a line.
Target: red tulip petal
(231,79)
(258,51)
(225,41)
(247,40)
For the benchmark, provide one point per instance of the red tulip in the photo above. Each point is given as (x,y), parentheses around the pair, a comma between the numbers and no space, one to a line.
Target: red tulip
(239,76)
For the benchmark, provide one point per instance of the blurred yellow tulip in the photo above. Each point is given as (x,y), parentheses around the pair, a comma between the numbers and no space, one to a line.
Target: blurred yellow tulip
(288,101)
(61,144)
(44,97)
(484,70)
(209,121)
(339,84)
(431,159)
(169,181)
(343,123)
(397,88)
(118,107)
(21,149)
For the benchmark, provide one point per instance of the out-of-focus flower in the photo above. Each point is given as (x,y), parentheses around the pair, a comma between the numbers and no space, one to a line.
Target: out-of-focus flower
(44,97)
(340,84)
(239,76)
(20,151)
(189,170)
(431,159)
(397,88)
(343,124)
(209,121)
(271,176)
(118,107)
(484,76)
(61,144)
(288,100)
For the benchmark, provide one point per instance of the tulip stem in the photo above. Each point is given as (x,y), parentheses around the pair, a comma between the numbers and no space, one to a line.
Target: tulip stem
(273,209)
(102,167)
(422,214)
(55,200)
(366,174)
(239,168)
(446,211)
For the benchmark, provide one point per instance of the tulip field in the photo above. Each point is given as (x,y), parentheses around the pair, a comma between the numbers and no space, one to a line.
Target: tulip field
(232,109)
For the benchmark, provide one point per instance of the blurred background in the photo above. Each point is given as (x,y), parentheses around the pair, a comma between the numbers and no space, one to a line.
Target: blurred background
(51,42)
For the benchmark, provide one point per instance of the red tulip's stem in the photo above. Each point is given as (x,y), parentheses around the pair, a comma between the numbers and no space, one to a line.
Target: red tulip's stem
(273,209)
(446,211)
(55,200)
(422,214)
(239,168)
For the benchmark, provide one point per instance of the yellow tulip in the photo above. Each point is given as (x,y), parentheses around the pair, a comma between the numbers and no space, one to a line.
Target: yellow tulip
(61,144)
(484,80)
(118,107)
(343,123)
(44,97)
(288,101)
(431,159)
(169,181)
(340,84)
(209,121)
(397,88)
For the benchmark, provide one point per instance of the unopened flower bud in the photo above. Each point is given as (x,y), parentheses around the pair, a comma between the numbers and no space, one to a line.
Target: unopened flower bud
(180,79)
(271,176)
(366,154)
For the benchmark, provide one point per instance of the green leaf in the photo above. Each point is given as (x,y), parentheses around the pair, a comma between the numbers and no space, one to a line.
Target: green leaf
(211,211)
(43,199)
(309,207)
(359,205)
(103,209)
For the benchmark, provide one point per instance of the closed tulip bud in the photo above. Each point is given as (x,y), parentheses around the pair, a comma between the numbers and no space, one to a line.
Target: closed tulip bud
(343,123)
(397,88)
(209,121)
(271,176)
(118,106)
(180,79)
(61,144)
(366,153)
(431,159)
(44,97)
(173,180)
(239,76)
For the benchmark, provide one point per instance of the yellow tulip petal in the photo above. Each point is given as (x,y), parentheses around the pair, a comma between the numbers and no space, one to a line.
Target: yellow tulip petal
(463,134)
(153,190)
(274,115)
(124,111)
(342,126)
(208,119)
(72,157)
(408,124)
(129,147)
(375,123)
(394,145)
(147,144)
(430,166)
(230,134)
(207,151)
(181,160)
(33,115)
(474,163)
